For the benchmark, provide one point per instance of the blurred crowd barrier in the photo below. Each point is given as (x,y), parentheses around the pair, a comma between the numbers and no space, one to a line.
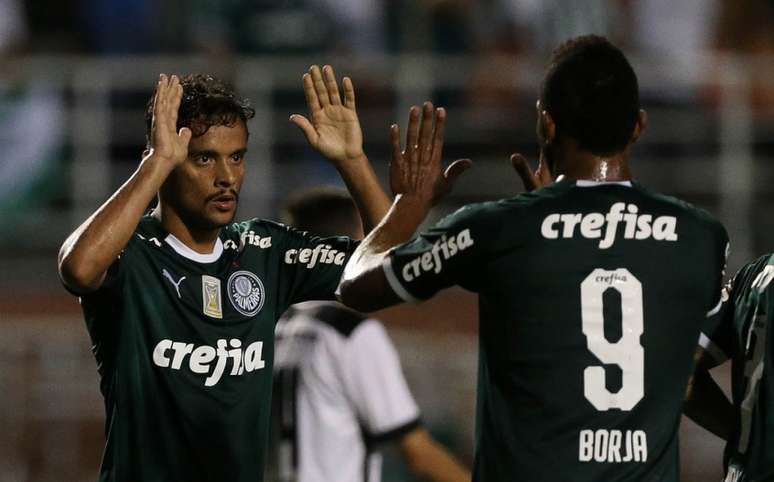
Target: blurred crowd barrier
(73,129)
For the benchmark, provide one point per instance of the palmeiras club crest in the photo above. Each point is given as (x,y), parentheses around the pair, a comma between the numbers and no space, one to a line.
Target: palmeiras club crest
(246,293)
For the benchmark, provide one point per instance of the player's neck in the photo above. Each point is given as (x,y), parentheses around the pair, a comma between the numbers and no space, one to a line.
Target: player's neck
(201,241)
(583,165)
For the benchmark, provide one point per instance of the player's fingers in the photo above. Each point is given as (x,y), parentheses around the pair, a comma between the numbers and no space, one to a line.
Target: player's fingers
(438,134)
(349,92)
(426,128)
(412,134)
(319,86)
(330,84)
(312,102)
(306,127)
(542,174)
(524,170)
(161,109)
(158,98)
(455,169)
(176,97)
(185,135)
(156,104)
(170,104)
(397,155)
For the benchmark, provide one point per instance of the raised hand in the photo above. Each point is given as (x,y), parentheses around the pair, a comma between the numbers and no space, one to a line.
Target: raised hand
(166,142)
(531,180)
(417,170)
(332,128)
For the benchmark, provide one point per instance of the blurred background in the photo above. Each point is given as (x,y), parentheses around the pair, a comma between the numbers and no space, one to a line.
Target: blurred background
(75,76)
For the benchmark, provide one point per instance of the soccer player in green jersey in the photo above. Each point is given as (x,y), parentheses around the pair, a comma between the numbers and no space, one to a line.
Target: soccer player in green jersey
(181,303)
(742,332)
(592,289)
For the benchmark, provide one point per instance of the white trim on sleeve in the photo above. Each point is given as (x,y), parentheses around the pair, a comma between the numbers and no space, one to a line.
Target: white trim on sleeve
(590,183)
(712,348)
(714,311)
(395,284)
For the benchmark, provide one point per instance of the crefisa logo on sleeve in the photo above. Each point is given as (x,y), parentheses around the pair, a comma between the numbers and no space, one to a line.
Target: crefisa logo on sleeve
(246,292)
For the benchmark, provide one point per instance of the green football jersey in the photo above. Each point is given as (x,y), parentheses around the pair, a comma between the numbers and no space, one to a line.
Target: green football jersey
(591,299)
(184,344)
(743,331)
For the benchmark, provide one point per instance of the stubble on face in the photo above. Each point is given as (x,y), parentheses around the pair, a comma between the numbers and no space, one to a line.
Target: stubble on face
(203,192)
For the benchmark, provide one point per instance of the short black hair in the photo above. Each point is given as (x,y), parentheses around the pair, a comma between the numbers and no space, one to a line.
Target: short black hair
(322,211)
(591,92)
(206,102)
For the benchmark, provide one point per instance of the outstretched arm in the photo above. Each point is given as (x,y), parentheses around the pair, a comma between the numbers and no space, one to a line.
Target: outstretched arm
(333,129)
(705,403)
(88,252)
(429,460)
(418,180)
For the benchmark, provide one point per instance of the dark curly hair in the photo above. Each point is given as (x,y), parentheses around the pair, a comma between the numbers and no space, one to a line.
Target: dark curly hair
(591,91)
(206,102)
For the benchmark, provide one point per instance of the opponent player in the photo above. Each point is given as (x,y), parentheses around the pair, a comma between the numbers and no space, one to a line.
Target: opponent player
(591,290)
(743,331)
(181,303)
(339,394)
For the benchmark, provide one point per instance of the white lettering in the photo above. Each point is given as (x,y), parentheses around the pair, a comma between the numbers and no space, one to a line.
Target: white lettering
(181,350)
(640,446)
(664,228)
(614,453)
(643,227)
(290,256)
(441,251)
(586,446)
(339,259)
(158,353)
(590,225)
(406,272)
(547,229)
(613,218)
(570,221)
(600,445)
(605,227)
(311,257)
(202,358)
(253,359)
(605,446)
(427,262)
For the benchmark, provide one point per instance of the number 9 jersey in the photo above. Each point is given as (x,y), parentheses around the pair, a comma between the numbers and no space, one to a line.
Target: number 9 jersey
(591,299)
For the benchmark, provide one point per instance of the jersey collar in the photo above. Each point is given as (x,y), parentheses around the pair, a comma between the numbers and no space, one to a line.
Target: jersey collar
(588,183)
(189,253)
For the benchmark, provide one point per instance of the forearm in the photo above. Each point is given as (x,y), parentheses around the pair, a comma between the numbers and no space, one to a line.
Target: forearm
(707,405)
(363,285)
(90,250)
(430,461)
(363,185)
(398,226)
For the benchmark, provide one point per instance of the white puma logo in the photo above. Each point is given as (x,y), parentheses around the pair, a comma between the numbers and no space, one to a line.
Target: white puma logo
(172,280)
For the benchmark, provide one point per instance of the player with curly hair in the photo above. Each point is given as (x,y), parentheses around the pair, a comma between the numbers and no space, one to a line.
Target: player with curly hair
(181,303)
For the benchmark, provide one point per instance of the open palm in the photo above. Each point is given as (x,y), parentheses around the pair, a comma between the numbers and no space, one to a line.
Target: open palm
(332,128)
(166,142)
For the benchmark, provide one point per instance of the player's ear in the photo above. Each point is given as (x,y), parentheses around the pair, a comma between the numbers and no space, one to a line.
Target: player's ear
(639,125)
(546,127)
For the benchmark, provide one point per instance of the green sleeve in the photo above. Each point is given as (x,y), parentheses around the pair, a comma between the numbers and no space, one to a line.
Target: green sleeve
(453,252)
(311,266)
